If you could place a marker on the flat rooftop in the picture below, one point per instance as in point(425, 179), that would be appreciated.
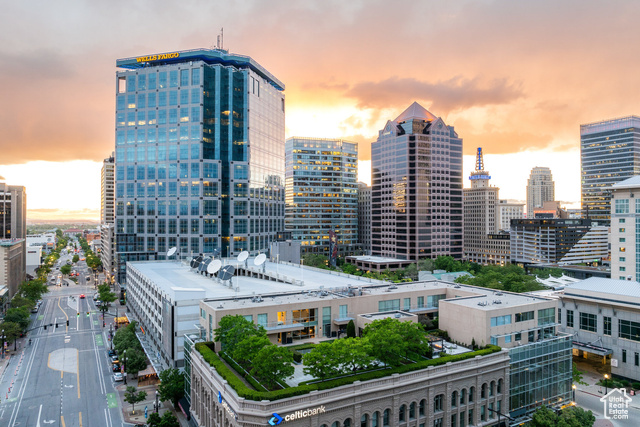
point(378, 259)
point(605, 288)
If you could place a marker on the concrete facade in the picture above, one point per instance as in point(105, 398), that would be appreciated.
point(364, 217)
point(625, 229)
point(12, 264)
point(540, 189)
point(13, 211)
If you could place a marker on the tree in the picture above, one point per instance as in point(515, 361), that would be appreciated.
point(233, 329)
point(65, 269)
point(273, 363)
point(351, 329)
point(322, 362)
point(411, 271)
point(20, 301)
point(136, 361)
point(133, 396)
point(167, 420)
point(154, 420)
point(570, 417)
point(393, 339)
point(349, 268)
point(12, 331)
point(75, 258)
point(33, 289)
point(248, 348)
point(18, 315)
point(544, 417)
point(171, 386)
point(353, 353)
point(577, 375)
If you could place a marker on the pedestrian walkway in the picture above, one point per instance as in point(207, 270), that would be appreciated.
point(591, 377)
point(139, 416)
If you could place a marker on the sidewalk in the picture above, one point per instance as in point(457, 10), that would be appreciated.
point(591, 378)
point(138, 417)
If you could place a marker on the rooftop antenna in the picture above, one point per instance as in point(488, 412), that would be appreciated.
point(243, 257)
point(222, 38)
point(260, 261)
point(172, 252)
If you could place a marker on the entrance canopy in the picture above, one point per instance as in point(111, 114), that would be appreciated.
point(592, 348)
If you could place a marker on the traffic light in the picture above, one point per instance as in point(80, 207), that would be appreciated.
point(88, 313)
point(56, 325)
point(45, 327)
point(78, 314)
point(67, 322)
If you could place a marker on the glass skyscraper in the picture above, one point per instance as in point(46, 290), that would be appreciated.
point(416, 195)
point(610, 153)
point(199, 155)
point(322, 193)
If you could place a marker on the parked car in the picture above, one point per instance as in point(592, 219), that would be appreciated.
point(117, 376)
point(114, 359)
point(81, 296)
point(111, 353)
point(116, 367)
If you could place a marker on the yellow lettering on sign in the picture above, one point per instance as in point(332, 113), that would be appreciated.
point(162, 56)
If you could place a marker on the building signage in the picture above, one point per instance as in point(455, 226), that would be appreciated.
point(157, 57)
point(296, 415)
point(226, 406)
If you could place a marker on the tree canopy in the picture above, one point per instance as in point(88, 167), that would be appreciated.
point(273, 363)
point(133, 396)
point(569, 417)
point(233, 329)
point(171, 386)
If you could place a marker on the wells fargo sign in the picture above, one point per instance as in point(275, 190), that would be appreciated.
point(157, 57)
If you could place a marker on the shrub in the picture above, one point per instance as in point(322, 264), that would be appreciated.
point(624, 383)
point(635, 385)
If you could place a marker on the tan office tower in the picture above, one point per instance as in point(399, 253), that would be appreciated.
point(13, 211)
point(540, 189)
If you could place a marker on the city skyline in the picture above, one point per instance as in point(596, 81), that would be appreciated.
point(504, 84)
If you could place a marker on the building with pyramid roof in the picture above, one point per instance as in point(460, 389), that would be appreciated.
point(416, 199)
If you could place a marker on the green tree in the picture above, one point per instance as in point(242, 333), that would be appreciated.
point(75, 258)
point(411, 271)
point(349, 268)
point(392, 340)
point(316, 260)
point(171, 386)
point(575, 416)
point(352, 353)
point(273, 363)
point(154, 420)
point(133, 396)
point(248, 348)
point(33, 289)
point(233, 329)
point(20, 301)
point(166, 420)
point(351, 329)
point(322, 362)
point(65, 269)
point(577, 375)
point(18, 315)
point(136, 361)
point(12, 331)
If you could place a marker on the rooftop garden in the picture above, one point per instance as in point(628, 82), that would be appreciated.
point(257, 369)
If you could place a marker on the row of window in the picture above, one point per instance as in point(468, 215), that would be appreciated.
point(157, 99)
point(209, 170)
point(160, 135)
point(627, 329)
point(158, 80)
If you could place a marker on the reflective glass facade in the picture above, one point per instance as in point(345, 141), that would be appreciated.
point(199, 155)
point(416, 200)
point(610, 153)
point(13, 212)
point(322, 193)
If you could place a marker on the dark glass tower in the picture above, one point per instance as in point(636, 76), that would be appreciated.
point(416, 200)
point(199, 155)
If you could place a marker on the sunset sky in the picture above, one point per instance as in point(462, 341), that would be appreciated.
point(516, 78)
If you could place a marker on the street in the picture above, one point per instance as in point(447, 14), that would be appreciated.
point(63, 378)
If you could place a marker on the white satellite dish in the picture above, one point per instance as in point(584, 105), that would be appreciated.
point(243, 256)
point(171, 251)
point(260, 259)
point(214, 266)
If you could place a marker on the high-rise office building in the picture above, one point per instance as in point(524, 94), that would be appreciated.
point(416, 195)
point(364, 217)
point(12, 269)
point(321, 193)
point(508, 210)
point(625, 229)
point(609, 153)
point(482, 242)
point(540, 189)
point(199, 155)
point(107, 215)
point(13, 212)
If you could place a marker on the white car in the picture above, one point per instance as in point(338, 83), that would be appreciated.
point(117, 376)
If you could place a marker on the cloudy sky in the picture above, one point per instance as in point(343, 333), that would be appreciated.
point(517, 78)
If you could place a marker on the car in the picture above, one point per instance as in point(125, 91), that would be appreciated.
point(116, 367)
point(117, 376)
point(81, 296)
point(35, 309)
point(111, 353)
point(114, 359)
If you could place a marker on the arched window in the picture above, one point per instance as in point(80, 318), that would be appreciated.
point(483, 391)
point(386, 417)
point(412, 411)
point(454, 399)
point(364, 420)
point(492, 388)
point(438, 403)
point(463, 396)
point(375, 419)
point(472, 393)
point(324, 425)
point(335, 424)
point(402, 414)
point(422, 407)
point(500, 386)
point(347, 423)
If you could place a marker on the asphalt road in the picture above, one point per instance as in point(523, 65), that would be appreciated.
point(63, 378)
point(590, 402)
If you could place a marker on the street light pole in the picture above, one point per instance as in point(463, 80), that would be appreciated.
point(124, 354)
point(3, 338)
point(157, 406)
point(606, 384)
point(573, 387)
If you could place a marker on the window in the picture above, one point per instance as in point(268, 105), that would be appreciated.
point(606, 325)
point(472, 392)
point(622, 220)
point(501, 320)
point(364, 420)
point(463, 396)
point(375, 419)
point(622, 206)
point(421, 407)
point(621, 249)
point(420, 302)
point(629, 330)
point(559, 315)
point(522, 317)
point(402, 414)
point(437, 423)
point(438, 403)
point(389, 305)
point(500, 386)
point(412, 411)
point(491, 413)
point(546, 316)
point(622, 259)
point(492, 388)
point(637, 359)
point(483, 413)
point(588, 322)
point(454, 419)
point(622, 240)
point(623, 268)
point(454, 399)
point(483, 391)
point(507, 339)
point(386, 416)
point(471, 420)
point(407, 304)
point(569, 318)
point(624, 356)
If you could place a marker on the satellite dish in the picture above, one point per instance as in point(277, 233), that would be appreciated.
point(243, 256)
point(260, 259)
point(195, 262)
point(227, 272)
point(171, 251)
point(216, 253)
point(214, 266)
point(204, 264)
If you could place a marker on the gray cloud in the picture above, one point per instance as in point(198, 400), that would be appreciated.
point(443, 96)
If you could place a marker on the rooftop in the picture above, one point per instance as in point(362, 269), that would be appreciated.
point(10, 242)
point(633, 182)
point(209, 56)
point(415, 111)
point(378, 259)
point(604, 287)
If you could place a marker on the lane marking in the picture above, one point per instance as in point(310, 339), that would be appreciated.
point(62, 421)
point(39, 413)
point(80, 417)
point(23, 386)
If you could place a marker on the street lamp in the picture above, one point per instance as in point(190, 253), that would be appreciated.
point(3, 338)
point(606, 384)
point(124, 355)
point(573, 387)
point(157, 406)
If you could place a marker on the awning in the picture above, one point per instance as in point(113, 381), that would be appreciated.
point(3, 291)
point(149, 371)
point(590, 348)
